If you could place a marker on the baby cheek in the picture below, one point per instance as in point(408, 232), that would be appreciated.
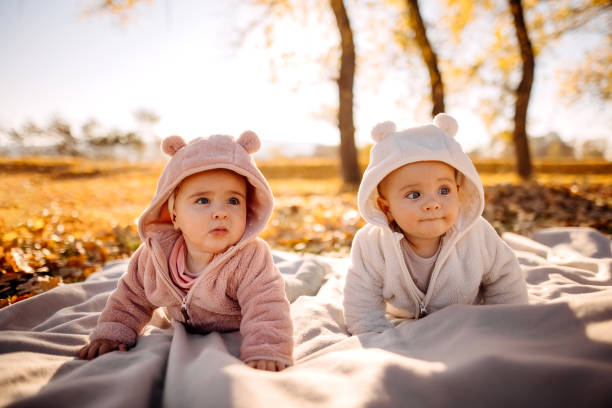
point(240, 209)
point(455, 211)
point(239, 215)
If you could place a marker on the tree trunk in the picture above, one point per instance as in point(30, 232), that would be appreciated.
point(429, 56)
point(521, 143)
point(351, 174)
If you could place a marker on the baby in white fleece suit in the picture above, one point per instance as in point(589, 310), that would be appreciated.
point(426, 245)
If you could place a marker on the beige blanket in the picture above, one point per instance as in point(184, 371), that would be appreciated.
point(556, 351)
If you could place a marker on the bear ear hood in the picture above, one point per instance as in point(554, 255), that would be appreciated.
point(382, 130)
point(433, 142)
point(249, 141)
point(447, 123)
point(172, 144)
point(201, 154)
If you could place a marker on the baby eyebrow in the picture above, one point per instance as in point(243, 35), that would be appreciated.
point(418, 185)
point(238, 193)
point(209, 193)
point(409, 187)
point(200, 194)
point(448, 179)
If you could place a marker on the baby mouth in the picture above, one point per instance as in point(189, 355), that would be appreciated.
point(219, 231)
point(432, 219)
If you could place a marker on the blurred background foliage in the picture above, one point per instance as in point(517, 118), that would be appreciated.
point(481, 53)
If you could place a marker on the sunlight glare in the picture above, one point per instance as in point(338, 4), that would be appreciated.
point(472, 132)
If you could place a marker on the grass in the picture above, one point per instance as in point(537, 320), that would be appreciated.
point(61, 219)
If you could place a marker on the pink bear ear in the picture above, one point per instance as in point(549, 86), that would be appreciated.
point(447, 123)
point(250, 141)
point(382, 130)
point(172, 144)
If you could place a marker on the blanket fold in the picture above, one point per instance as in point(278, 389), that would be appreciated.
point(555, 351)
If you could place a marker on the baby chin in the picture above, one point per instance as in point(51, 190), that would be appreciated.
point(433, 226)
point(217, 243)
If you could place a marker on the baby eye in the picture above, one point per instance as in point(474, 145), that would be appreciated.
point(203, 200)
point(233, 201)
point(444, 190)
point(413, 195)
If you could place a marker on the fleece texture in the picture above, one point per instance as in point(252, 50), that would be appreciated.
point(474, 265)
point(239, 289)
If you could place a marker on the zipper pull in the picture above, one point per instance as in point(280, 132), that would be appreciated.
point(423, 309)
point(184, 309)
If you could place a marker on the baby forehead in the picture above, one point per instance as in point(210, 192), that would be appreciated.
point(424, 170)
point(215, 178)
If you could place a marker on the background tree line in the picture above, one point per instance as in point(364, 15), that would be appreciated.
point(498, 69)
point(91, 140)
point(523, 28)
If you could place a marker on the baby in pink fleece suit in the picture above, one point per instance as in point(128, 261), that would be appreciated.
point(201, 258)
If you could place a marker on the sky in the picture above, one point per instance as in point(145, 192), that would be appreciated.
point(180, 59)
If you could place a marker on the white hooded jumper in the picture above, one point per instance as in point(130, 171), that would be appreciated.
point(474, 265)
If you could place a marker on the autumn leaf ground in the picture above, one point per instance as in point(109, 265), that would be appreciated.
point(62, 219)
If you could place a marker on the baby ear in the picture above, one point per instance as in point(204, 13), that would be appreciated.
point(383, 205)
point(447, 123)
point(172, 144)
point(250, 141)
point(382, 130)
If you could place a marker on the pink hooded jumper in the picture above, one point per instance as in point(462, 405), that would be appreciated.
point(241, 288)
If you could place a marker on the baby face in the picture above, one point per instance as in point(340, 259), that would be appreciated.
point(422, 198)
point(210, 209)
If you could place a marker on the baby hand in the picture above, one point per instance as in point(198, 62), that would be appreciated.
point(268, 365)
point(98, 347)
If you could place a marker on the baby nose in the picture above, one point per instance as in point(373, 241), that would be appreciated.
point(431, 205)
point(220, 214)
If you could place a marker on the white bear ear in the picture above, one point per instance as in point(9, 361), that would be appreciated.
point(447, 123)
point(382, 130)
point(172, 144)
point(250, 141)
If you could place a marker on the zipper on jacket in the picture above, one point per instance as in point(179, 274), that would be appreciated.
point(171, 286)
point(446, 248)
point(422, 309)
point(411, 285)
point(184, 309)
